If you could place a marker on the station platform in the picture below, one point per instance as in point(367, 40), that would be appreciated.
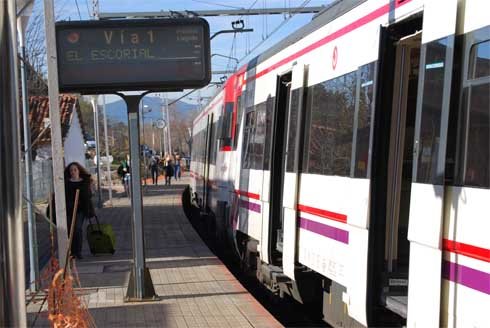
point(194, 286)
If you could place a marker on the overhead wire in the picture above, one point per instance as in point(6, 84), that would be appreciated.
point(266, 18)
point(78, 9)
point(263, 20)
point(249, 8)
point(247, 37)
point(217, 4)
point(228, 65)
point(88, 8)
point(294, 12)
point(61, 8)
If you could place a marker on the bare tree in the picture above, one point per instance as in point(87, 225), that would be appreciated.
point(36, 49)
point(180, 126)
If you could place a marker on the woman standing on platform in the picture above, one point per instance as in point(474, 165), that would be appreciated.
point(169, 172)
point(77, 177)
point(177, 168)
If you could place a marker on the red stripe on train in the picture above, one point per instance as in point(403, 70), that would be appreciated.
point(226, 148)
point(247, 194)
point(475, 252)
point(331, 37)
point(211, 106)
point(323, 213)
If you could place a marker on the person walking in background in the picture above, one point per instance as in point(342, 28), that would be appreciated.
point(78, 178)
point(123, 172)
point(154, 169)
point(177, 167)
point(169, 172)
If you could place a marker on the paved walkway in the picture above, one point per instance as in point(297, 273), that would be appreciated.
point(195, 288)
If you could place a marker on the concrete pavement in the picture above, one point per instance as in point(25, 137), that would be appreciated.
point(195, 288)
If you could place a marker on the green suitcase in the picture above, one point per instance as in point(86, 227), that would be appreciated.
point(101, 239)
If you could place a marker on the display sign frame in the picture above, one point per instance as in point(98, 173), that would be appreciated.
point(107, 56)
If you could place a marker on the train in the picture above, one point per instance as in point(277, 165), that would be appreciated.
point(349, 165)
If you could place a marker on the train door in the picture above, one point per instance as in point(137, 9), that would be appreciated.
point(408, 171)
point(399, 174)
point(391, 168)
point(293, 153)
point(207, 160)
point(279, 128)
point(427, 190)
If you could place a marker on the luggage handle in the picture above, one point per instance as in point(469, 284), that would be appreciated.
point(96, 220)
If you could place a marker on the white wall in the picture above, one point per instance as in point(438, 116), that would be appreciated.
point(73, 144)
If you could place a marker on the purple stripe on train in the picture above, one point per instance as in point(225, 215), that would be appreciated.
point(463, 275)
point(325, 230)
point(250, 206)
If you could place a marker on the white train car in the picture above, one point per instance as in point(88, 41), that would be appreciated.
point(354, 163)
point(213, 142)
point(202, 168)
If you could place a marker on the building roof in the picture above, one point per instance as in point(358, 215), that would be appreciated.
point(39, 114)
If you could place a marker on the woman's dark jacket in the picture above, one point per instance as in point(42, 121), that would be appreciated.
point(84, 199)
point(169, 170)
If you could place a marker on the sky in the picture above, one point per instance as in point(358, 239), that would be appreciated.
point(239, 47)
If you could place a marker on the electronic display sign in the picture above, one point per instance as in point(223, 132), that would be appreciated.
point(123, 55)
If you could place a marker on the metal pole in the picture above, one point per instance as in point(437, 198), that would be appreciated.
point(168, 128)
point(231, 31)
point(210, 13)
point(163, 131)
point(144, 144)
point(140, 285)
point(190, 141)
point(164, 136)
point(161, 149)
point(97, 148)
point(33, 246)
point(152, 135)
point(107, 150)
point(56, 140)
point(12, 281)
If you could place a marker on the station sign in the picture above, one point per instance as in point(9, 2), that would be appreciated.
point(106, 56)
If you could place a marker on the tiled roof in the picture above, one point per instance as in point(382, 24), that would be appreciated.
point(39, 112)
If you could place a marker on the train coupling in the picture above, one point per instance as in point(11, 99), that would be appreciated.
point(272, 276)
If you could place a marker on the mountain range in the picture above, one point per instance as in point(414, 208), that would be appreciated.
point(116, 111)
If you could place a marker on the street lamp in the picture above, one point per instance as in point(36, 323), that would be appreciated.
point(143, 112)
point(146, 110)
point(161, 124)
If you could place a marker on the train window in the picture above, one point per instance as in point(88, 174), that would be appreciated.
point(249, 94)
point(238, 120)
point(254, 137)
point(477, 172)
point(226, 121)
point(366, 102)
point(332, 105)
point(214, 144)
point(292, 130)
point(479, 60)
point(225, 125)
point(433, 88)
point(269, 108)
point(259, 138)
point(248, 143)
point(201, 146)
point(196, 149)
